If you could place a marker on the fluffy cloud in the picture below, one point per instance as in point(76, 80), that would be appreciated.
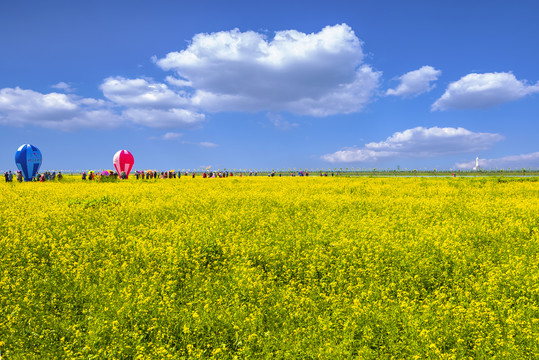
point(418, 142)
point(140, 101)
point(514, 162)
point(483, 90)
point(149, 103)
point(59, 111)
point(416, 82)
point(314, 74)
point(141, 93)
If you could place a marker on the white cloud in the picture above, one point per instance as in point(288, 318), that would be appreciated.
point(208, 144)
point(514, 162)
point(165, 119)
point(178, 82)
point(171, 136)
point(63, 86)
point(54, 110)
point(483, 90)
point(69, 112)
point(141, 93)
point(418, 142)
point(314, 74)
point(150, 103)
point(416, 82)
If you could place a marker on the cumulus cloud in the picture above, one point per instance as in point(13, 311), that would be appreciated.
point(530, 160)
point(479, 91)
point(416, 82)
point(316, 74)
point(136, 101)
point(141, 93)
point(150, 103)
point(54, 110)
point(313, 74)
point(418, 142)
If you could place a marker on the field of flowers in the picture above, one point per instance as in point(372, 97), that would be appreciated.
point(259, 267)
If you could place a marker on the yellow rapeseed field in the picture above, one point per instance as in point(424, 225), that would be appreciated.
point(275, 268)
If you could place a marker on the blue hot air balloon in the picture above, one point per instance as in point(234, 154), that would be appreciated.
point(28, 160)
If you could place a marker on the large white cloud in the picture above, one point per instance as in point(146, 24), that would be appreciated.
point(54, 110)
point(418, 142)
point(416, 82)
point(479, 91)
point(316, 74)
point(530, 160)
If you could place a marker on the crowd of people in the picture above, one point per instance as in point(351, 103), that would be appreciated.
point(148, 174)
point(46, 176)
point(173, 174)
point(108, 175)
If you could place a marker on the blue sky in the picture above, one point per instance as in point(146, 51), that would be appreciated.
point(281, 84)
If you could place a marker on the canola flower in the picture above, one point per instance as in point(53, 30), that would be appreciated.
point(230, 268)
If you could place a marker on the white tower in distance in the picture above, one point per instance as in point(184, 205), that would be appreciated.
point(476, 167)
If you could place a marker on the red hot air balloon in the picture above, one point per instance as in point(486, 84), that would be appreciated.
point(123, 161)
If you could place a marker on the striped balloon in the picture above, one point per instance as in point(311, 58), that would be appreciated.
point(123, 161)
point(28, 159)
